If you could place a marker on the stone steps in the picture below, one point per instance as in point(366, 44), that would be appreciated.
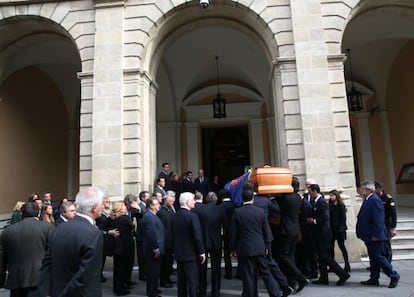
point(403, 243)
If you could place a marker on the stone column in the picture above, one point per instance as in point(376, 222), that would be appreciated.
point(85, 133)
point(192, 146)
point(132, 136)
point(365, 144)
point(257, 142)
point(288, 124)
point(388, 151)
point(148, 145)
point(107, 130)
point(315, 104)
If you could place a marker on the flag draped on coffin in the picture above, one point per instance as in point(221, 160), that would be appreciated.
point(235, 188)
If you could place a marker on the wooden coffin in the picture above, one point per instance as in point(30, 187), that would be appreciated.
point(272, 180)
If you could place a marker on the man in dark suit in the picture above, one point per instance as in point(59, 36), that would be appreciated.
point(143, 196)
point(211, 220)
point(166, 214)
point(188, 184)
point(165, 173)
point(188, 246)
point(202, 183)
point(228, 207)
point(321, 232)
point(390, 212)
point(153, 244)
point(135, 213)
point(371, 229)
point(159, 187)
point(67, 212)
point(290, 233)
point(251, 237)
point(47, 200)
point(24, 246)
point(72, 265)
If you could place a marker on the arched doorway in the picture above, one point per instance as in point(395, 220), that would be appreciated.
point(39, 110)
point(381, 38)
point(226, 151)
point(186, 78)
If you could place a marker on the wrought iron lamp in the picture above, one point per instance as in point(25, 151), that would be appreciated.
point(354, 96)
point(219, 104)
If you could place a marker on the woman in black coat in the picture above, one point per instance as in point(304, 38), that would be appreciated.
point(337, 212)
point(123, 246)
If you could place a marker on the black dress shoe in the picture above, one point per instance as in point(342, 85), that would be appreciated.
point(228, 276)
point(122, 293)
point(142, 277)
point(394, 282)
point(370, 282)
point(301, 284)
point(342, 280)
point(320, 282)
point(131, 283)
point(286, 291)
point(103, 279)
point(166, 285)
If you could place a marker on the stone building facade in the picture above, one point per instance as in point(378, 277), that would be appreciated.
point(119, 87)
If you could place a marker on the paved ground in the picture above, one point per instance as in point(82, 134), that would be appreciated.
point(352, 288)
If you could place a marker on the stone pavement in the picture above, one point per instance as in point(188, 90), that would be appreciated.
point(352, 288)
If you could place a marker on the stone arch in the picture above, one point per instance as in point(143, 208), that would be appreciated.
point(39, 62)
point(144, 36)
point(75, 20)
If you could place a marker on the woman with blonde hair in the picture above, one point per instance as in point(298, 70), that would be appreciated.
point(47, 214)
point(122, 247)
point(16, 214)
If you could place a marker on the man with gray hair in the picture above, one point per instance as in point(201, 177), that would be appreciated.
point(188, 246)
point(372, 231)
point(67, 212)
point(72, 265)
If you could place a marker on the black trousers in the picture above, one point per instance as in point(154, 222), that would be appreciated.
point(228, 269)
point(153, 275)
point(121, 273)
point(248, 266)
point(141, 259)
point(188, 278)
point(166, 266)
point(24, 292)
point(287, 259)
point(325, 259)
point(215, 259)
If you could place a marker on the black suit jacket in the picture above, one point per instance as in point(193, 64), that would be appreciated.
point(228, 208)
point(188, 186)
point(153, 232)
point(202, 186)
point(290, 205)
point(74, 259)
point(124, 243)
point(337, 215)
point(321, 231)
point(211, 220)
point(166, 216)
point(187, 236)
point(24, 246)
point(251, 234)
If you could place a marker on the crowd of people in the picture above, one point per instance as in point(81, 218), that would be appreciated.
point(287, 239)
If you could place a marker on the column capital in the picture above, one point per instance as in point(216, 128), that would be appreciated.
point(85, 75)
point(109, 3)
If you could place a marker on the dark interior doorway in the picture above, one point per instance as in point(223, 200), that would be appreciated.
point(225, 151)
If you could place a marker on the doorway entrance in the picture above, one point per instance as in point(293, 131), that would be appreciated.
point(225, 151)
